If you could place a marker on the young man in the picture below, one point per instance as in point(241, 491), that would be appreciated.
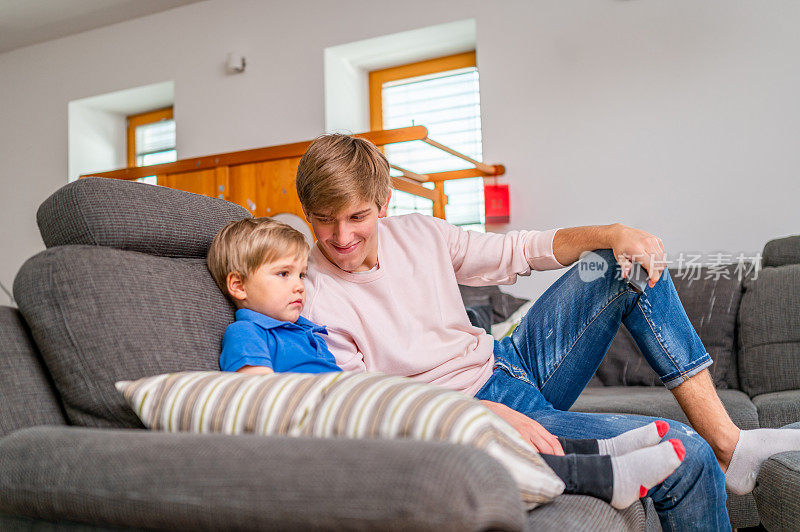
point(386, 288)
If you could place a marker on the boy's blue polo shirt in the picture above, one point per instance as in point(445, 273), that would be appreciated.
point(255, 339)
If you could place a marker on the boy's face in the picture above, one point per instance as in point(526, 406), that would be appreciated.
point(276, 288)
point(349, 238)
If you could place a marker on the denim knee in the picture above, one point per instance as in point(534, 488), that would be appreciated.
point(600, 263)
point(698, 449)
point(697, 487)
point(700, 470)
point(613, 269)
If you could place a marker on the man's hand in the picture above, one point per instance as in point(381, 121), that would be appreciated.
point(629, 244)
point(531, 431)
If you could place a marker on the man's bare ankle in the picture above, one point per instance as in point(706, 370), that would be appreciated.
point(724, 446)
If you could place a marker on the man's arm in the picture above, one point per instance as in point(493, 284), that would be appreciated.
point(627, 243)
point(344, 349)
point(485, 259)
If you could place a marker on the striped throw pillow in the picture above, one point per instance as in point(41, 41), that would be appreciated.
point(336, 405)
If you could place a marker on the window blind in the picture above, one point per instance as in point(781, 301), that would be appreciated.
point(155, 144)
point(448, 104)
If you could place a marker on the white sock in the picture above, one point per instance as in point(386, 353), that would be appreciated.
point(752, 449)
point(637, 472)
point(632, 440)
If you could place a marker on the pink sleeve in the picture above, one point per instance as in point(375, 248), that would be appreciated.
point(340, 343)
point(345, 351)
point(481, 259)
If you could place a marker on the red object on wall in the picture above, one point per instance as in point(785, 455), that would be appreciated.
point(496, 203)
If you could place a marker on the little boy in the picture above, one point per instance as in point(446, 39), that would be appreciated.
point(261, 263)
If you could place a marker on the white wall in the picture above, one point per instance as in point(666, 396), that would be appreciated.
point(98, 126)
point(97, 140)
point(677, 117)
point(347, 67)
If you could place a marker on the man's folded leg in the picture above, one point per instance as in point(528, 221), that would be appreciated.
point(561, 341)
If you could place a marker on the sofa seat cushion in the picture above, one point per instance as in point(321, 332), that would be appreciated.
point(146, 480)
point(134, 216)
point(337, 405)
point(659, 402)
point(579, 512)
point(778, 409)
point(99, 315)
point(27, 396)
point(776, 490)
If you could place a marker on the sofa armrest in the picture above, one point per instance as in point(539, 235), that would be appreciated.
point(139, 478)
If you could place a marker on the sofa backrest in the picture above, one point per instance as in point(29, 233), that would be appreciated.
point(781, 251)
point(711, 298)
point(27, 396)
point(123, 291)
point(769, 321)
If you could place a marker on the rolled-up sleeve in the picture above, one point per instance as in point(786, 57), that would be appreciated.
point(539, 250)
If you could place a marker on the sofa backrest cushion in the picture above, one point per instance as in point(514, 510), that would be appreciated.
point(134, 216)
point(781, 251)
point(711, 298)
point(27, 397)
point(769, 331)
point(99, 315)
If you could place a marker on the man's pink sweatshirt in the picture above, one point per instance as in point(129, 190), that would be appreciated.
point(406, 317)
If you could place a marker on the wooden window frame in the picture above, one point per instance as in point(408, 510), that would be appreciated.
point(411, 70)
point(141, 119)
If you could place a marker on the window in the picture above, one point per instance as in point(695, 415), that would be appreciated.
point(151, 140)
point(443, 95)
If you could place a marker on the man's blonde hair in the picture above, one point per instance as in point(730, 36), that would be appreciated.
point(338, 170)
point(243, 246)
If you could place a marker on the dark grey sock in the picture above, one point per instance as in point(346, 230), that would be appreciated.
point(584, 474)
point(579, 446)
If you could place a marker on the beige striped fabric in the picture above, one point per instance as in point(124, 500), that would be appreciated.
point(336, 405)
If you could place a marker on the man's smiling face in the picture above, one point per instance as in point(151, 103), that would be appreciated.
point(349, 238)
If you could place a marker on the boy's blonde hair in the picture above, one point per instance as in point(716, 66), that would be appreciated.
point(338, 170)
point(243, 246)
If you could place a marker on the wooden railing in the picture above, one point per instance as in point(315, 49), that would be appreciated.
point(262, 179)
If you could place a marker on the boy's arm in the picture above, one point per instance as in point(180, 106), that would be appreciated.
point(255, 370)
point(244, 346)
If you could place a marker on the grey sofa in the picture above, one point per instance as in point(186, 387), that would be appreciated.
point(122, 292)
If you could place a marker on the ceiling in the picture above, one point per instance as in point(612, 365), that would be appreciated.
point(26, 22)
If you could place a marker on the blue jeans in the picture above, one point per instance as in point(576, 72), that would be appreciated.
point(542, 367)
